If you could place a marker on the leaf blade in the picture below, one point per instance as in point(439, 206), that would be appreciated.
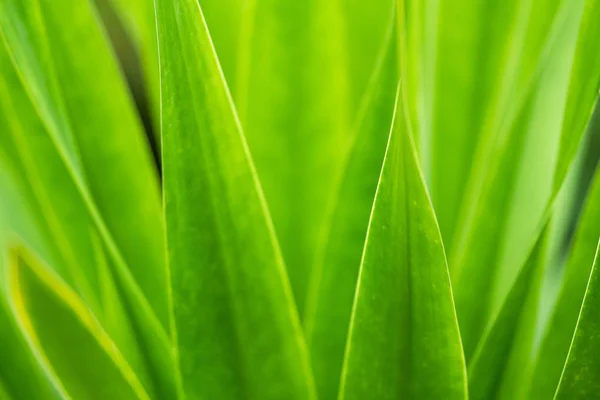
point(397, 310)
point(53, 318)
point(249, 342)
point(333, 279)
point(561, 328)
point(579, 378)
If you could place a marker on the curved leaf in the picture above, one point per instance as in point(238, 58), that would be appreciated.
point(561, 328)
point(60, 214)
point(487, 35)
point(499, 355)
point(237, 331)
point(55, 204)
point(579, 379)
point(507, 198)
point(333, 281)
point(66, 335)
point(21, 376)
point(403, 340)
point(139, 20)
point(583, 89)
point(293, 96)
point(81, 98)
point(224, 19)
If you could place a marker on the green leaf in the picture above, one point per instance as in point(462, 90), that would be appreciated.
point(583, 89)
point(579, 379)
point(333, 281)
point(4, 392)
point(82, 100)
point(511, 184)
point(66, 336)
point(21, 375)
point(501, 359)
point(60, 221)
point(17, 217)
point(59, 213)
point(140, 23)
point(418, 39)
point(481, 32)
point(403, 301)
point(237, 331)
point(293, 96)
point(225, 19)
point(560, 330)
point(366, 30)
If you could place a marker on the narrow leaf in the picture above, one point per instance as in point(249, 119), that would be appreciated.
point(489, 37)
point(583, 89)
point(510, 336)
point(579, 379)
point(60, 216)
point(140, 23)
point(237, 331)
point(507, 198)
point(403, 300)
point(225, 20)
point(82, 100)
point(333, 281)
point(561, 328)
point(293, 95)
point(21, 376)
point(67, 336)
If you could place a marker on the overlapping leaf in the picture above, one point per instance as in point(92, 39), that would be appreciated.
point(583, 89)
point(579, 379)
point(561, 328)
point(21, 375)
point(502, 359)
point(237, 330)
point(507, 198)
point(329, 301)
point(87, 140)
point(92, 123)
point(293, 95)
point(139, 20)
point(73, 346)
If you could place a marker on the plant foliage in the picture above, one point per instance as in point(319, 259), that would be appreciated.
point(321, 199)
